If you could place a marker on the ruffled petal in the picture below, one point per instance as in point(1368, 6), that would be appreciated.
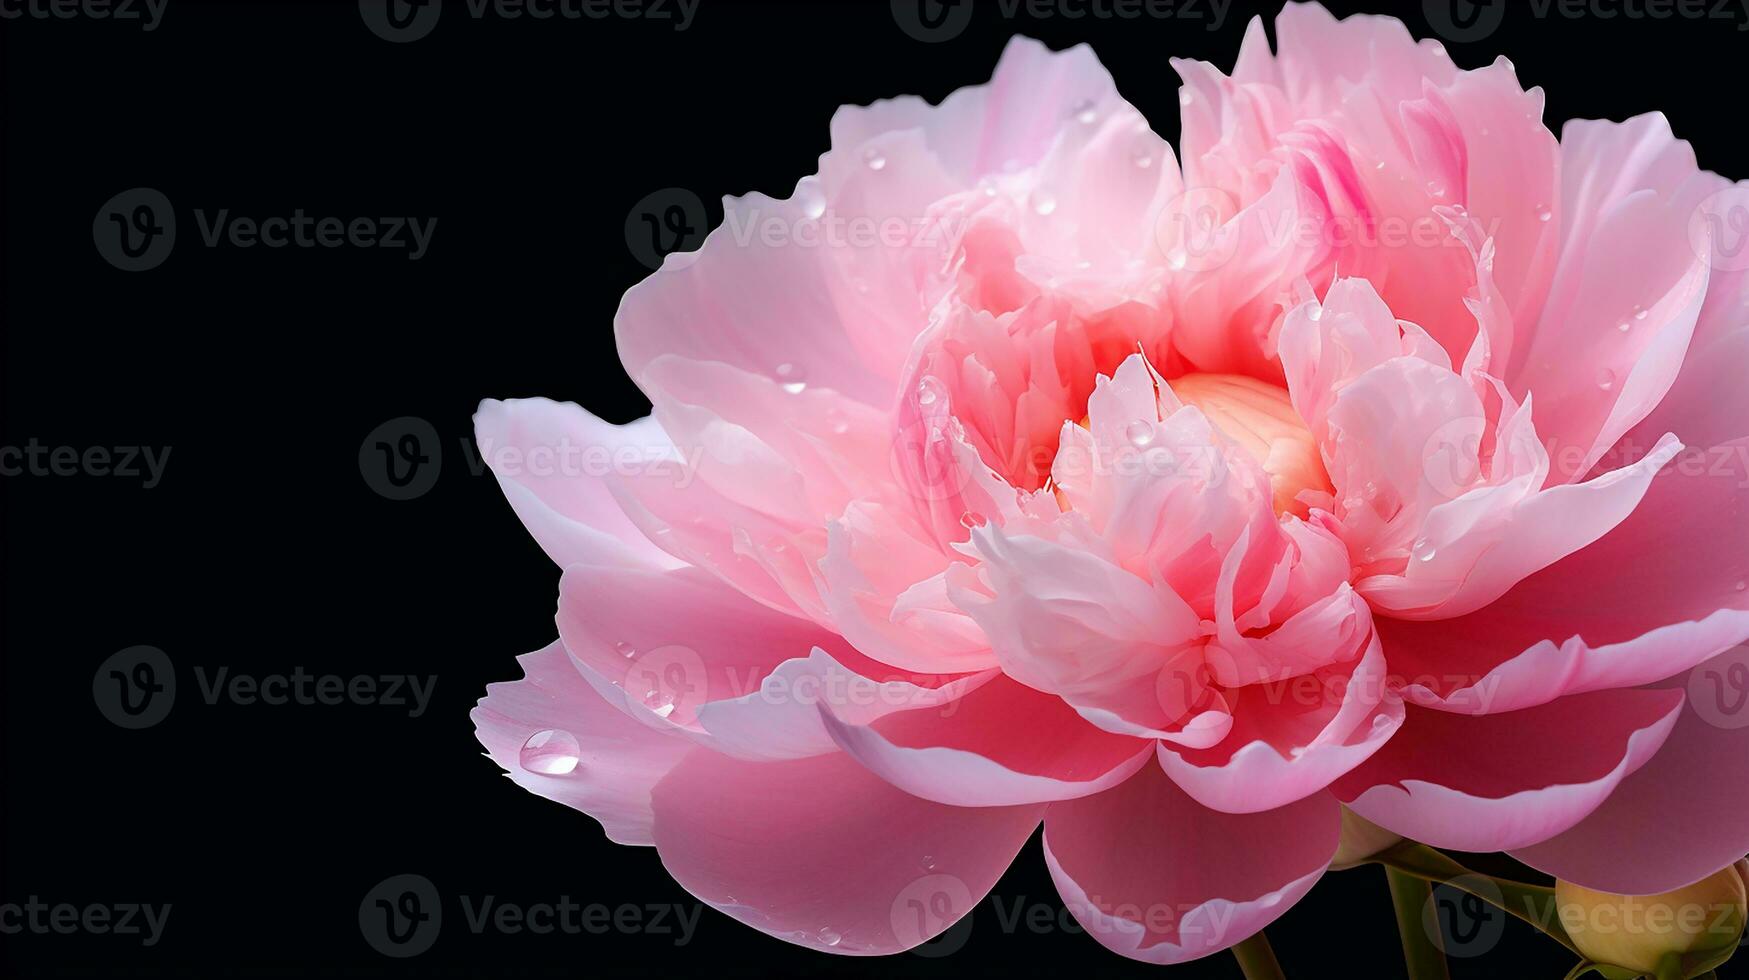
point(1495, 782)
point(774, 845)
point(614, 764)
point(1156, 877)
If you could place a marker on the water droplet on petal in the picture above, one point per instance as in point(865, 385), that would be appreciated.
point(1741, 585)
point(1043, 202)
point(793, 379)
point(1624, 326)
point(1639, 312)
point(928, 862)
point(1423, 550)
point(1606, 379)
point(660, 702)
point(1139, 432)
point(928, 391)
point(1086, 112)
point(875, 159)
point(1143, 154)
point(1544, 214)
point(550, 752)
point(625, 649)
point(1185, 96)
point(829, 937)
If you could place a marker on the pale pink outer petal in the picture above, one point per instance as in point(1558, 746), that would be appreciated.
point(1494, 782)
point(1680, 817)
point(783, 718)
point(621, 760)
point(1629, 192)
point(1156, 877)
point(1707, 405)
point(1000, 744)
point(664, 644)
point(822, 853)
point(1476, 549)
point(1657, 595)
point(550, 457)
point(1292, 737)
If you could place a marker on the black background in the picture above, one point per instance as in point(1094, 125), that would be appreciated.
point(263, 370)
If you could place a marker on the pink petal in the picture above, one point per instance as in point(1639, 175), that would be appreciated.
point(550, 459)
point(821, 853)
point(1493, 782)
point(1679, 818)
point(664, 644)
point(1657, 595)
point(1629, 192)
point(1156, 877)
point(1291, 737)
point(619, 760)
point(1000, 744)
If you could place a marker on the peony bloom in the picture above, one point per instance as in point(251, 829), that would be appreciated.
point(1380, 450)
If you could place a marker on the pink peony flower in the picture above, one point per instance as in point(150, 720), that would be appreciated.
point(1382, 451)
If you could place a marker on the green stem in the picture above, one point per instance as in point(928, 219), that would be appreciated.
point(1256, 960)
point(1410, 896)
point(1534, 904)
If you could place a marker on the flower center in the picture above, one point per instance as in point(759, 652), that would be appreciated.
point(1260, 418)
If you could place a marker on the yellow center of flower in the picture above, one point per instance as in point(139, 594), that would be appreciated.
point(1260, 418)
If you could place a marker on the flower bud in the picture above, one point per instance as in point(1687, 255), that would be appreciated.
point(1701, 924)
